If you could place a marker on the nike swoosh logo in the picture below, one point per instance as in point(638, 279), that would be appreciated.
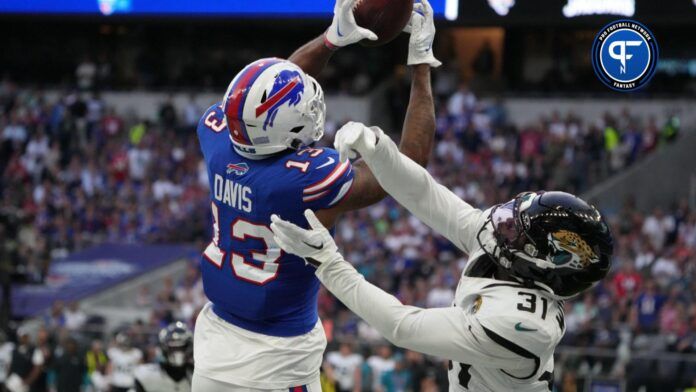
point(519, 327)
point(320, 247)
point(329, 162)
point(338, 28)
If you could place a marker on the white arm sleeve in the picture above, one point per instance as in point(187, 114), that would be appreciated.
point(414, 188)
point(446, 332)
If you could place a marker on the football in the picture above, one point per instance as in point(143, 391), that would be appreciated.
point(386, 18)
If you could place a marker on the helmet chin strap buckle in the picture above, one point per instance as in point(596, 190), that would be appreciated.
point(295, 144)
point(531, 250)
point(507, 264)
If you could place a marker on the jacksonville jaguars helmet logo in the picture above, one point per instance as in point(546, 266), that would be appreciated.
point(287, 88)
point(570, 249)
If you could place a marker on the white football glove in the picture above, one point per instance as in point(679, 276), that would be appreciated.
point(422, 30)
point(315, 245)
point(344, 30)
point(356, 137)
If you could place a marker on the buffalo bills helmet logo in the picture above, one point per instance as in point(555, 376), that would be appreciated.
point(287, 88)
point(237, 168)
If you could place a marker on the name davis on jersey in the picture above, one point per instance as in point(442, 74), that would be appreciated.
point(231, 193)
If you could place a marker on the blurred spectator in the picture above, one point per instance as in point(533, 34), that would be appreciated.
point(346, 368)
point(27, 369)
point(95, 358)
point(627, 281)
point(399, 378)
point(648, 305)
point(123, 359)
point(167, 113)
point(461, 102)
point(484, 62)
point(85, 73)
point(69, 367)
point(74, 317)
point(380, 363)
point(6, 349)
point(657, 226)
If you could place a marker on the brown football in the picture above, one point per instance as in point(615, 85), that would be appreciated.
point(386, 18)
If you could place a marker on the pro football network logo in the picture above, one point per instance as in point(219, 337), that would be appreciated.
point(239, 169)
point(624, 55)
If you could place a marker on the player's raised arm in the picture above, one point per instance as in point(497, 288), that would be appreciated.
point(313, 56)
point(419, 124)
point(411, 185)
point(446, 332)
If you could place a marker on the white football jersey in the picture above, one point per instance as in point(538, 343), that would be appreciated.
point(510, 318)
point(344, 368)
point(123, 364)
point(152, 378)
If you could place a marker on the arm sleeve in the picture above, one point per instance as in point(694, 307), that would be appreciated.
point(446, 332)
point(414, 188)
point(328, 181)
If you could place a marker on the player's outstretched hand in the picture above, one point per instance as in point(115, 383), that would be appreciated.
point(344, 30)
point(422, 30)
point(315, 245)
point(356, 137)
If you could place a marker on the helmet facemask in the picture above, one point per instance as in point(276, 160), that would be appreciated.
point(314, 111)
point(511, 239)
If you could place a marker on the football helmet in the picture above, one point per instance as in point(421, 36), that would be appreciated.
point(553, 239)
point(122, 339)
point(176, 344)
point(272, 105)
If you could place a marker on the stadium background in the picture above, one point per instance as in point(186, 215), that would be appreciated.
point(103, 199)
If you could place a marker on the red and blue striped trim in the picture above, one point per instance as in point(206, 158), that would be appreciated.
point(301, 388)
point(234, 109)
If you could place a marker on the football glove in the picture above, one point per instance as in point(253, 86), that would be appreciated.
point(356, 137)
point(422, 30)
point(344, 30)
point(315, 245)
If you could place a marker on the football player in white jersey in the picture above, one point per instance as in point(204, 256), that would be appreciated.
point(346, 367)
point(173, 372)
point(123, 359)
point(525, 257)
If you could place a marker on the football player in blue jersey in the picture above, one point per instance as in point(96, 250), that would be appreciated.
point(260, 330)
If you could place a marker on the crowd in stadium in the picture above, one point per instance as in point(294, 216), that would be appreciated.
point(76, 173)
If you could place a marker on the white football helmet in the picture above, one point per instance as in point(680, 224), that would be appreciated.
point(272, 105)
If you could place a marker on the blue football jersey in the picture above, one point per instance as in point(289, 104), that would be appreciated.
point(251, 282)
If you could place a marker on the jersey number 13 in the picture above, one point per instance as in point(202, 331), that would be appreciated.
point(241, 266)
